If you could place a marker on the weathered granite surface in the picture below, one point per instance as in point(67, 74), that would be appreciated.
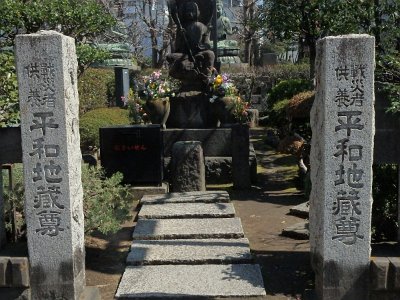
point(49, 105)
point(186, 281)
point(188, 228)
point(187, 197)
point(188, 171)
point(342, 119)
point(186, 210)
point(189, 251)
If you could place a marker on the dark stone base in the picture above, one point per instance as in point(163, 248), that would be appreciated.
point(191, 109)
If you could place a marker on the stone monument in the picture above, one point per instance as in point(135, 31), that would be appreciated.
point(47, 79)
point(191, 61)
point(228, 49)
point(342, 119)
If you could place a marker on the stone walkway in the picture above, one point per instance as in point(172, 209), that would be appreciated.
point(189, 245)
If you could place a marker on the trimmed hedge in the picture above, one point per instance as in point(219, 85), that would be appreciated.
point(287, 89)
point(96, 89)
point(102, 117)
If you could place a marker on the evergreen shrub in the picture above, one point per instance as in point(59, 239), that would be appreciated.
point(101, 117)
point(286, 89)
point(106, 202)
point(96, 89)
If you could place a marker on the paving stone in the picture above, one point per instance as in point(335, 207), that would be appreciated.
point(188, 281)
point(187, 210)
point(189, 251)
point(187, 197)
point(188, 229)
point(301, 210)
point(297, 231)
point(379, 269)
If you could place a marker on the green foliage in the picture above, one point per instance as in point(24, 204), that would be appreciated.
point(278, 113)
point(81, 19)
point(384, 207)
point(388, 77)
point(9, 105)
point(95, 88)
point(102, 117)
point(88, 54)
point(14, 199)
point(287, 89)
point(287, 71)
point(105, 201)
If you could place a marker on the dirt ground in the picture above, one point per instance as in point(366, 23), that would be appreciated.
point(264, 213)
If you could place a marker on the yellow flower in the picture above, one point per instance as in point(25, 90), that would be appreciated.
point(218, 80)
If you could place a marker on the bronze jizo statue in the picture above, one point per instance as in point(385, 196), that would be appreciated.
point(192, 59)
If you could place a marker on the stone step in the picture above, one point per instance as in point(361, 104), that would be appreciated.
point(298, 231)
point(189, 251)
point(187, 210)
point(187, 197)
point(190, 281)
point(301, 210)
point(157, 229)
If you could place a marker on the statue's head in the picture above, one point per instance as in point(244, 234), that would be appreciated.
point(220, 8)
point(191, 11)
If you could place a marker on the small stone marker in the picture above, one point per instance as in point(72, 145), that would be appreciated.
point(194, 251)
point(47, 78)
point(342, 121)
point(191, 282)
point(188, 170)
point(188, 229)
point(187, 210)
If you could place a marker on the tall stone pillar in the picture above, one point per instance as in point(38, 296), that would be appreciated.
point(47, 79)
point(342, 121)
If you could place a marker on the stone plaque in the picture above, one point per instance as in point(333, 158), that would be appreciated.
point(342, 121)
point(135, 151)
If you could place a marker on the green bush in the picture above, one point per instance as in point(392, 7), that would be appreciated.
point(287, 89)
point(9, 105)
point(96, 89)
point(384, 207)
point(278, 114)
point(106, 202)
point(102, 117)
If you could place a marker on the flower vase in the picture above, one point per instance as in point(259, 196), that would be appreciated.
point(158, 110)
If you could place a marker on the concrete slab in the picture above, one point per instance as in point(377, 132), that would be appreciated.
point(299, 231)
point(187, 210)
point(158, 229)
point(187, 197)
point(189, 251)
point(137, 192)
point(187, 281)
point(301, 210)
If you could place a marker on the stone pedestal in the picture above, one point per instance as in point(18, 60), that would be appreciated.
point(342, 121)
point(47, 78)
point(187, 167)
point(191, 109)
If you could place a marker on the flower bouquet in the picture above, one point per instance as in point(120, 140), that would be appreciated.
point(229, 106)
